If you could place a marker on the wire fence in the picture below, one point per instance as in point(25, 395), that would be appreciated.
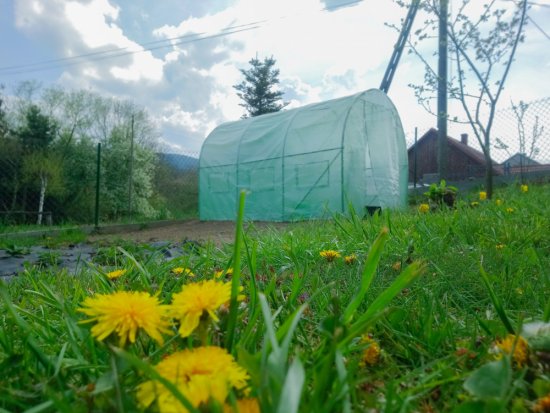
point(96, 185)
point(520, 148)
point(87, 183)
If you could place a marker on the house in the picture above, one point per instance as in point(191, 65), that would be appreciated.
point(463, 161)
point(520, 164)
point(519, 159)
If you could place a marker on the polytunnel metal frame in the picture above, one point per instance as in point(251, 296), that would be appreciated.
point(283, 155)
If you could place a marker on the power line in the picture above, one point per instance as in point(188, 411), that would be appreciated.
point(63, 59)
point(145, 47)
point(538, 27)
point(118, 52)
point(530, 18)
point(532, 3)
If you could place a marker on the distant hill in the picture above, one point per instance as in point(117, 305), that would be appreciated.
point(179, 162)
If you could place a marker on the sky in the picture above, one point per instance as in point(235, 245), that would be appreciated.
point(179, 59)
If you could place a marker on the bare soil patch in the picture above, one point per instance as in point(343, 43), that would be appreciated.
point(218, 232)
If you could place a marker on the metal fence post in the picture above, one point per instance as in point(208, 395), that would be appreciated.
point(96, 220)
point(131, 169)
point(415, 158)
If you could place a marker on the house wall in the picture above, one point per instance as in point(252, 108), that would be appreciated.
point(459, 166)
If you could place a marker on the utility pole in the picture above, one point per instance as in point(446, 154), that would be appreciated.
point(442, 92)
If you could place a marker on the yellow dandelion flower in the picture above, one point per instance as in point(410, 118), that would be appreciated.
point(244, 406)
point(220, 273)
point(115, 274)
point(350, 259)
point(371, 354)
point(199, 374)
point(181, 270)
point(329, 255)
point(423, 208)
point(542, 405)
point(510, 210)
point(524, 188)
point(498, 202)
point(482, 196)
point(124, 313)
point(189, 305)
point(516, 343)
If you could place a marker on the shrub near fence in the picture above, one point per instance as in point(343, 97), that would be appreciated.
point(176, 184)
point(145, 186)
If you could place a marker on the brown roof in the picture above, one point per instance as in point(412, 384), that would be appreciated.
point(472, 153)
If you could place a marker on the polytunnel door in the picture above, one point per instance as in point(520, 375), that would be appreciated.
point(262, 180)
point(312, 184)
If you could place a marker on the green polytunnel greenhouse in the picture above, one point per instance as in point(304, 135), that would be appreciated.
point(306, 162)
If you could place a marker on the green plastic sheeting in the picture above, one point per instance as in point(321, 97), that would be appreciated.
point(303, 163)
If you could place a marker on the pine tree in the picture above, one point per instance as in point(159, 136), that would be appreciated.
point(257, 90)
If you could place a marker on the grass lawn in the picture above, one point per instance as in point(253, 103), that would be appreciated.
point(426, 310)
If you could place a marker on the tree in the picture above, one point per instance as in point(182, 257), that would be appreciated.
point(3, 118)
point(44, 167)
point(48, 152)
point(38, 131)
point(258, 90)
point(36, 135)
point(482, 49)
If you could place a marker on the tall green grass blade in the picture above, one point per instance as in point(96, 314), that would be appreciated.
point(42, 407)
point(406, 277)
point(11, 308)
point(288, 329)
point(289, 402)
point(116, 382)
point(40, 355)
point(373, 258)
point(268, 320)
point(342, 378)
point(236, 278)
point(145, 275)
point(496, 302)
point(60, 359)
point(251, 255)
point(545, 275)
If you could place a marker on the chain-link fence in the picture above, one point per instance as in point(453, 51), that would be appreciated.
point(520, 148)
point(94, 184)
point(522, 139)
point(137, 184)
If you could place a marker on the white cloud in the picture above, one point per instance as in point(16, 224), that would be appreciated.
point(175, 116)
point(188, 87)
point(90, 72)
point(90, 21)
point(95, 23)
point(37, 7)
